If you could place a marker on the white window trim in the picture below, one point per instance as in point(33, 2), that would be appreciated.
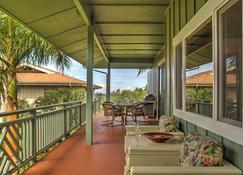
point(222, 129)
point(234, 133)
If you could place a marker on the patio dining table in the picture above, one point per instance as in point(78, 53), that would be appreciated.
point(126, 108)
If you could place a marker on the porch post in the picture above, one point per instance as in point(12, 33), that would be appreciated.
point(89, 90)
point(108, 83)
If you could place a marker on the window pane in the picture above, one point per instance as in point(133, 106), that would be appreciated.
point(230, 56)
point(199, 71)
point(179, 77)
point(162, 90)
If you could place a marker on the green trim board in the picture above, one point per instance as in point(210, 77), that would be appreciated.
point(108, 83)
point(183, 11)
point(190, 9)
point(89, 91)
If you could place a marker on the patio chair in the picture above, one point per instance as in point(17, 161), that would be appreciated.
point(114, 111)
point(138, 110)
point(118, 111)
point(108, 107)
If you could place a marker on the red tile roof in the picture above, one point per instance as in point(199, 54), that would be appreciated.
point(48, 78)
point(206, 79)
point(44, 78)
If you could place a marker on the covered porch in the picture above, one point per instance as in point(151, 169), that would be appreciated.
point(98, 34)
point(170, 37)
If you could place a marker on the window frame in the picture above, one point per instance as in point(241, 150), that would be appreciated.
point(226, 130)
point(220, 73)
point(180, 43)
point(209, 20)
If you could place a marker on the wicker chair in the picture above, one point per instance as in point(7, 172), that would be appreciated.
point(113, 111)
point(138, 110)
point(107, 106)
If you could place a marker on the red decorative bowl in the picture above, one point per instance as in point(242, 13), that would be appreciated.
point(158, 137)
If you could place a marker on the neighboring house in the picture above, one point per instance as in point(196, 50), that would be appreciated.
point(206, 79)
point(33, 81)
point(203, 79)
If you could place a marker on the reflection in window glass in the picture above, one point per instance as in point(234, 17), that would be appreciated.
point(230, 56)
point(178, 77)
point(199, 71)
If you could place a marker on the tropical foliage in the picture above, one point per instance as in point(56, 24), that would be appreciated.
point(17, 45)
point(23, 104)
point(125, 96)
point(60, 96)
point(199, 94)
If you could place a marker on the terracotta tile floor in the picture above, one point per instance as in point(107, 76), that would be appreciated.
point(73, 157)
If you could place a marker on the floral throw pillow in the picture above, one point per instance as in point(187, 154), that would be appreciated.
point(199, 150)
point(168, 123)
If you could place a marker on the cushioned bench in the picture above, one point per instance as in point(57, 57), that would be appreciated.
point(199, 155)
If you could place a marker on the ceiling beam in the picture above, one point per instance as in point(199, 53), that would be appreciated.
point(86, 16)
point(74, 42)
point(133, 43)
point(133, 49)
point(131, 35)
point(69, 30)
point(126, 22)
point(48, 16)
point(131, 60)
point(119, 4)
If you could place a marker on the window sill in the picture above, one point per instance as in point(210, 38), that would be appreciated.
point(225, 130)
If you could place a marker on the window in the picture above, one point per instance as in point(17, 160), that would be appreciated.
point(230, 63)
point(178, 76)
point(199, 71)
point(162, 90)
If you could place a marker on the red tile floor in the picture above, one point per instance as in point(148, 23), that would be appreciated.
point(73, 157)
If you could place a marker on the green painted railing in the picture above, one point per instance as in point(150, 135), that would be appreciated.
point(36, 130)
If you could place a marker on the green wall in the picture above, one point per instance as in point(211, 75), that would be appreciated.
point(179, 13)
point(183, 11)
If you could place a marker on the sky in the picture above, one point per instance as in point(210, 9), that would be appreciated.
point(200, 69)
point(120, 78)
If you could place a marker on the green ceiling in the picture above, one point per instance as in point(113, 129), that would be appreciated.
point(130, 32)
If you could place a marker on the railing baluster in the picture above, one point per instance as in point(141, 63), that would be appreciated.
point(65, 120)
point(23, 141)
point(42, 133)
point(80, 114)
point(36, 132)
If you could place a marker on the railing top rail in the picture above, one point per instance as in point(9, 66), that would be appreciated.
point(4, 114)
point(16, 121)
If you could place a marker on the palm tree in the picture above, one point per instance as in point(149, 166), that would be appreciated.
point(141, 71)
point(17, 45)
